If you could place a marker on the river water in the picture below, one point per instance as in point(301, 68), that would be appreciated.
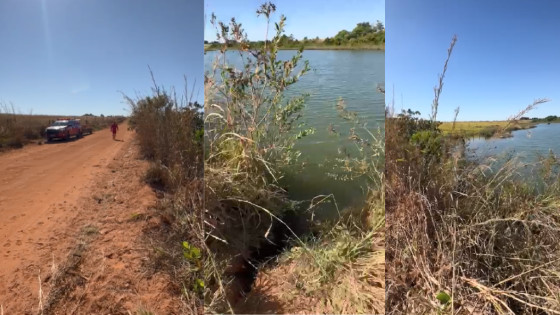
point(527, 148)
point(526, 145)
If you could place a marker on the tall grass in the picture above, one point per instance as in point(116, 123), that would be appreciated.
point(169, 133)
point(465, 237)
point(251, 129)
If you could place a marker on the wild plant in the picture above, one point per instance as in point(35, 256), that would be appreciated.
point(251, 125)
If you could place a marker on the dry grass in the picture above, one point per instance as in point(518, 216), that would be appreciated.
point(465, 237)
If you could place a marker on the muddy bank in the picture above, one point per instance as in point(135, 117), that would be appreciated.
point(245, 271)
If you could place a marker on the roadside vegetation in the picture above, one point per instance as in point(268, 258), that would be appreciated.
point(364, 36)
point(17, 129)
point(169, 132)
point(251, 128)
point(464, 236)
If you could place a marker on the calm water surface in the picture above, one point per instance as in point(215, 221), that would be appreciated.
point(527, 145)
point(352, 76)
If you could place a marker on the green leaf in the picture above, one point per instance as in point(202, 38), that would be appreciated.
point(198, 286)
point(192, 253)
point(443, 297)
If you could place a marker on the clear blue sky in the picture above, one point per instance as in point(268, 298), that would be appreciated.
point(312, 18)
point(68, 57)
point(507, 55)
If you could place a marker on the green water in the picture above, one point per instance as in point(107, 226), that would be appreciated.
point(352, 76)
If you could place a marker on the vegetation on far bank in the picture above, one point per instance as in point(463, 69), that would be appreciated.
point(484, 129)
point(364, 36)
point(489, 129)
point(18, 129)
point(462, 236)
point(251, 129)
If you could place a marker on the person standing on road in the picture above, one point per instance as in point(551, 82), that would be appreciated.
point(114, 128)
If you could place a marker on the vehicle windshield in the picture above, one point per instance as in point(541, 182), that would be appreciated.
point(60, 123)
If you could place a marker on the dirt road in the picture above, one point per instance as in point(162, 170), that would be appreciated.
point(60, 201)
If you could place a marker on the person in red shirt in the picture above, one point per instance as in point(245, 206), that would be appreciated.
point(114, 128)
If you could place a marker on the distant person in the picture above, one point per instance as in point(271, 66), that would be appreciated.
point(114, 128)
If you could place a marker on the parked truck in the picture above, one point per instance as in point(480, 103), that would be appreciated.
point(64, 129)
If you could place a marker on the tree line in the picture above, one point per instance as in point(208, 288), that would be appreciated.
point(365, 35)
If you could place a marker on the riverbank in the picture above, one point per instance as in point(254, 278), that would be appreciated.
point(473, 225)
point(485, 129)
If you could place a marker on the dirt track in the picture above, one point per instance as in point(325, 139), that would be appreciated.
point(74, 199)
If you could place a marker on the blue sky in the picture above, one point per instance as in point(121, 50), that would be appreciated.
point(68, 57)
point(312, 18)
point(507, 55)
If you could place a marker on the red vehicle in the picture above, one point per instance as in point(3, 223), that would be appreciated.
point(64, 129)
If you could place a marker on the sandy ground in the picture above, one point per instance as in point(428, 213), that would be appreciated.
point(71, 221)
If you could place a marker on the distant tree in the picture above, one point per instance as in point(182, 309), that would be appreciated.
point(361, 29)
point(379, 26)
point(342, 35)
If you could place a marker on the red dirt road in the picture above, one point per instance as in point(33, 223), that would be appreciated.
point(68, 244)
point(38, 185)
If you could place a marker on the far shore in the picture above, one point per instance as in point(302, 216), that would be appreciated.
point(368, 47)
point(488, 129)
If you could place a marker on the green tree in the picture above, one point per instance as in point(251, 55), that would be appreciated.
point(379, 26)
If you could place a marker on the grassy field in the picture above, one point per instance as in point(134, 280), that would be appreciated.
point(486, 129)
